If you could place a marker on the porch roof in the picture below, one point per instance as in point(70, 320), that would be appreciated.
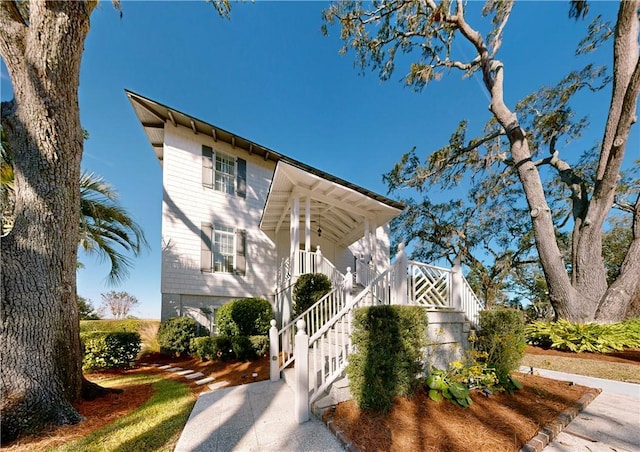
point(339, 209)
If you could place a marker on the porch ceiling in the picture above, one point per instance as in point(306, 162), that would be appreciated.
point(338, 210)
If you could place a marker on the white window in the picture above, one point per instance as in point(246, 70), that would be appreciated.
point(225, 173)
point(223, 249)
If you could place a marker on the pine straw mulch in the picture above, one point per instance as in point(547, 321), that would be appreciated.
point(417, 424)
point(500, 422)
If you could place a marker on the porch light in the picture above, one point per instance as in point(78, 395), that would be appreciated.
point(319, 232)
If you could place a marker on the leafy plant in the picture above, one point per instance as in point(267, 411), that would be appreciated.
point(442, 386)
point(245, 317)
point(308, 289)
point(229, 347)
point(587, 337)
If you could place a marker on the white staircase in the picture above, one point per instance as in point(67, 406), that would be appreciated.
point(327, 325)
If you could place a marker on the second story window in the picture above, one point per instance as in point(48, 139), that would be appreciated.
point(223, 172)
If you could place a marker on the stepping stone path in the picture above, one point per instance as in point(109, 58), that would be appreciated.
point(189, 374)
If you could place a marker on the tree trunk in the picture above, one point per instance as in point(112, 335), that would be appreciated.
point(41, 362)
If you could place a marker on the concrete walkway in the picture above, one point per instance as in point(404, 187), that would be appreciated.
point(252, 417)
point(610, 423)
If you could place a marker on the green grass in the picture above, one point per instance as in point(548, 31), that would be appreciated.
point(155, 426)
point(589, 367)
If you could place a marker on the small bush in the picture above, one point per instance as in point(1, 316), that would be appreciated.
point(230, 347)
point(260, 345)
point(588, 337)
point(109, 350)
point(501, 336)
point(308, 289)
point(174, 335)
point(244, 317)
point(387, 361)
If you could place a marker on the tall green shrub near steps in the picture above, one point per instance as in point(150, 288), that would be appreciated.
point(501, 336)
point(387, 361)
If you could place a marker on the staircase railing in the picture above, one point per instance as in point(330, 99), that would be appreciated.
point(315, 317)
point(429, 285)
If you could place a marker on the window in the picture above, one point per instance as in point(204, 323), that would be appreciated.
point(222, 249)
point(224, 173)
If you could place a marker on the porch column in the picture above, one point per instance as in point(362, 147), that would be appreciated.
point(307, 225)
point(400, 278)
point(294, 234)
point(373, 244)
point(367, 242)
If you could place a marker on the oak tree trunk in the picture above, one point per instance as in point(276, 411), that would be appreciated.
point(41, 361)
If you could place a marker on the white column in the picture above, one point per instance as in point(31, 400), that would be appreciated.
point(294, 234)
point(401, 267)
point(274, 352)
point(456, 285)
point(301, 354)
point(307, 225)
point(374, 244)
point(367, 241)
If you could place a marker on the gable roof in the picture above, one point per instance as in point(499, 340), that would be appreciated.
point(153, 115)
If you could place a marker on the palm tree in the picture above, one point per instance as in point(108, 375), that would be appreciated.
point(106, 229)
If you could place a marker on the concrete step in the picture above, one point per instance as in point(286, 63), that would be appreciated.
point(338, 392)
point(194, 376)
point(185, 372)
point(204, 381)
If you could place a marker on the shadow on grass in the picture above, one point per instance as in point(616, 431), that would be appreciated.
point(156, 425)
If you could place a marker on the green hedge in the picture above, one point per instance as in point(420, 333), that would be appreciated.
point(174, 335)
point(241, 348)
point(588, 337)
point(387, 361)
point(109, 350)
point(501, 336)
point(244, 317)
point(308, 289)
point(115, 325)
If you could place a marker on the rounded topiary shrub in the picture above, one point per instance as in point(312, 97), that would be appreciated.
point(308, 289)
point(174, 335)
point(109, 350)
point(244, 317)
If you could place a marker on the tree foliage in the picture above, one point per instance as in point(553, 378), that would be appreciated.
point(86, 310)
point(119, 304)
point(518, 156)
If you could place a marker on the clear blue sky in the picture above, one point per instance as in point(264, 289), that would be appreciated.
point(269, 75)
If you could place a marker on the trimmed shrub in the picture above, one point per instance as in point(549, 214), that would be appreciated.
point(230, 347)
point(308, 289)
point(244, 317)
point(109, 350)
point(387, 361)
point(174, 335)
point(501, 336)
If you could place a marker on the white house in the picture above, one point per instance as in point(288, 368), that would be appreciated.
point(240, 220)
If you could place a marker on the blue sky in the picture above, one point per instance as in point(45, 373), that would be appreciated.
point(269, 75)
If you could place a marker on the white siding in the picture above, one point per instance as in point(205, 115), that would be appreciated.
point(187, 204)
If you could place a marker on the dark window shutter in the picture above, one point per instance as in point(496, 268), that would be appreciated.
point(206, 262)
point(241, 178)
point(207, 166)
point(241, 255)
